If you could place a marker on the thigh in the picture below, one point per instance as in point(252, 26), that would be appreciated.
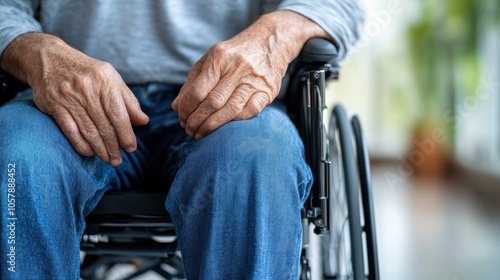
point(48, 171)
point(263, 155)
point(232, 187)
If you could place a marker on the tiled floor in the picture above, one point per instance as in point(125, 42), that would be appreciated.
point(432, 230)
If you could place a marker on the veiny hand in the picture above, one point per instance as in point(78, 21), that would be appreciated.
point(237, 78)
point(91, 104)
point(234, 80)
point(87, 98)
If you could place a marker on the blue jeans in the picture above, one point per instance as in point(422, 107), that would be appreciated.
point(235, 195)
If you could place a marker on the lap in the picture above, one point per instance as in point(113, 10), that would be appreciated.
point(262, 154)
point(163, 146)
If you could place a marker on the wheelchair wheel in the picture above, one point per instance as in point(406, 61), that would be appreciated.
point(352, 236)
point(342, 248)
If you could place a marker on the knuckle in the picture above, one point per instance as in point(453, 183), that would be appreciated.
point(190, 126)
point(255, 105)
point(234, 106)
point(182, 119)
point(108, 134)
point(192, 98)
point(215, 100)
point(252, 110)
point(116, 114)
point(65, 86)
point(219, 49)
point(81, 81)
point(103, 68)
point(240, 59)
point(72, 134)
point(197, 96)
point(193, 124)
point(209, 126)
point(91, 134)
point(82, 147)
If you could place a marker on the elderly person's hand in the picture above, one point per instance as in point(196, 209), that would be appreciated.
point(237, 78)
point(86, 97)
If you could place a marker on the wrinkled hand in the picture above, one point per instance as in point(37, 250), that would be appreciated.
point(88, 100)
point(237, 78)
point(92, 106)
point(234, 80)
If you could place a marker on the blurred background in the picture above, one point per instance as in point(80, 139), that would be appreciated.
point(425, 81)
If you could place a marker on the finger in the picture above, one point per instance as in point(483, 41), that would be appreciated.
point(228, 112)
point(257, 102)
point(215, 100)
point(70, 129)
point(133, 108)
point(122, 110)
point(90, 133)
point(192, 75)
point(195, 94)
point(105, 128)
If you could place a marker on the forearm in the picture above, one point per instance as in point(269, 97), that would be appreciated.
point(24, 56)
point(17, 18)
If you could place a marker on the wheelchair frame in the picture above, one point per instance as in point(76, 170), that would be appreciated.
point(342, 142)
point(117, 228)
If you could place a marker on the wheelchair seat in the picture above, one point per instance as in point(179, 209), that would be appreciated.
point(133, 224)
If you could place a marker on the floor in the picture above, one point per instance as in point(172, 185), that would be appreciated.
point(435, 229)
point(429, 229)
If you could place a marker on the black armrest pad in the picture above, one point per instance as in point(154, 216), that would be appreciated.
point(317, 50)
point(9, 87)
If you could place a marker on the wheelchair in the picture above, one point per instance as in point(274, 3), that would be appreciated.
point(133, 227)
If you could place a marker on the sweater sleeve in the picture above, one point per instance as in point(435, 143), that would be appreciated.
point(17, 18)
point(341, 19)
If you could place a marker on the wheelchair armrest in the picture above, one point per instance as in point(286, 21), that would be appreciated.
point(316, 53)
point(318, 50)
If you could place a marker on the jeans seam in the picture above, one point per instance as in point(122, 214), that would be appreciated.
point(308, 179)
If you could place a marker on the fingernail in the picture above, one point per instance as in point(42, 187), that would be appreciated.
point(130, 149)
point(183, 124)
point(116, 162)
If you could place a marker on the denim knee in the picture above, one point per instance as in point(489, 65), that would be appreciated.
point(242, 184)
point(263, 156)
point(50, 169)
point(27, 133)
point(269, 144)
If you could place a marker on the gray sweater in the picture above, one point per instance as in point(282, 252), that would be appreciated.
point(153, 40)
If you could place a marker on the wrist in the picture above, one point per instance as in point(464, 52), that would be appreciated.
point(23, 56)
point(289, 31)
